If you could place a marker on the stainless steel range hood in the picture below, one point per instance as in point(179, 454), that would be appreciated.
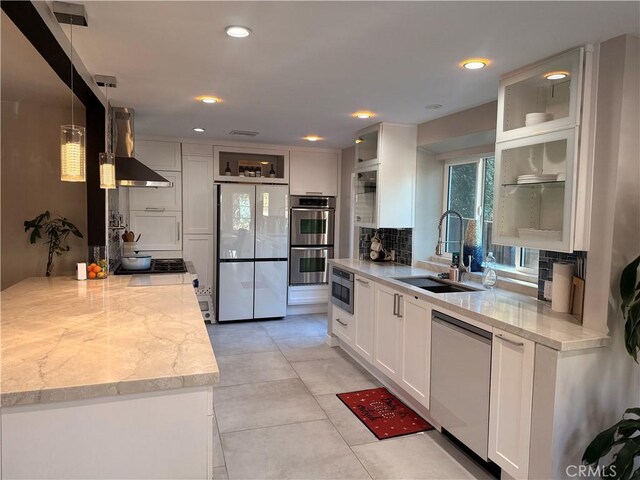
point(130, 172)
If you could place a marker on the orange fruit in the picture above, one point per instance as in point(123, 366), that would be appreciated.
point(97, 269)
point(92, 274)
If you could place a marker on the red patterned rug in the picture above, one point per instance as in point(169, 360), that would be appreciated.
point(383, 413)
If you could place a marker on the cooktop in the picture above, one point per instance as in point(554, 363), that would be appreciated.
point(158, 265)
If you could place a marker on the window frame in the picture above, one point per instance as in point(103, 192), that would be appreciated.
point(479, 160)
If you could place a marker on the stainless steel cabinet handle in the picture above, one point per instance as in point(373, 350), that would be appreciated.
point(508, 340)
point(362, 281)
point(341, 322)
point(400, 297)
point(395, 304)
point(154, 209)
point(178, 227)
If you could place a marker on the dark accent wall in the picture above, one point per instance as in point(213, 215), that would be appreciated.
point(545, 266)
point(25, 16)
point(399, 240)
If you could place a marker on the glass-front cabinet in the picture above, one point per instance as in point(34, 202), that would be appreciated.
point(253, 165)
point(541, 98)
point(366, 202)
point(535, 197)
point(367, 146)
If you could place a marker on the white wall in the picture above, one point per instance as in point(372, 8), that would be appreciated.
point(428, 204)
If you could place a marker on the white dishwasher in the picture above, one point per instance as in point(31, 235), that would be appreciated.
point(460, 380)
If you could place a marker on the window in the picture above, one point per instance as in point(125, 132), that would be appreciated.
point(468, 189)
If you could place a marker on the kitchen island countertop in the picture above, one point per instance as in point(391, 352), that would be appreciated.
point(513, 312)
point(64, 339)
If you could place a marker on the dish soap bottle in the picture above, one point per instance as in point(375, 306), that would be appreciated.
point(489, 275)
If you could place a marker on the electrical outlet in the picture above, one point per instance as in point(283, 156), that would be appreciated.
point(548, 287)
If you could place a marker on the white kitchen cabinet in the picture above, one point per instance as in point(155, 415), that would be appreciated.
point(342, 324)
point(157, 155)
point(512, 367)
point(158, 199)
point(313, 173)
point(199, 250)
point(197, 201)
point(364, 303)
point(388, 323)
point(385, 176)
point(537, 90)
point(416, 341)
point(159, 230)
point(538, 214)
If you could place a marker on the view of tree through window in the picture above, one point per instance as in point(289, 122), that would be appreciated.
point(467, 190)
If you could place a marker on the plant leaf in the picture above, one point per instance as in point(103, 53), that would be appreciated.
point(600, 445)
point(628, 281)
point(623, 460)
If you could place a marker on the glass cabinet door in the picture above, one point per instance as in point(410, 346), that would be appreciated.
point(534, 184)
point(367, 146)
point(366, 198)
point(542, 98)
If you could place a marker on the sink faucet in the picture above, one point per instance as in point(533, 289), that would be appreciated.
point(439, 246)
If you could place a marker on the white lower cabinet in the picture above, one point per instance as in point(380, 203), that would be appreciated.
point(388, 322)
point(364, 317)
point(416, 342)
point(159, 230)
point(512, 366)
point(199, 250)
point(342, 324)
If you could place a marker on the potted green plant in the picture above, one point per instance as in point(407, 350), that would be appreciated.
point(620, 443)
point(56, 230)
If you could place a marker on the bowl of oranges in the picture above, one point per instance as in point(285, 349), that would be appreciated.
point(98, 270)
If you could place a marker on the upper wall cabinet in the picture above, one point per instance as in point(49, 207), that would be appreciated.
point(159, 155)
point(314, 173)
point(385, 176)
point(541, 98)
point(544, 154)
point(251, 165)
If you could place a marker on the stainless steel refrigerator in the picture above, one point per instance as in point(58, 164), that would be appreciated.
point(252, 244)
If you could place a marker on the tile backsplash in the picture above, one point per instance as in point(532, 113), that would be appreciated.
point(546, 261)
point(399, 240)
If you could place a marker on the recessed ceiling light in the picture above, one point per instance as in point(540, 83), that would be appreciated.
point(198, 129)
point(433, 106)
point(556, 75)
point(209, 99)
point(312, 138)
point(237, 31)
point(359, 140)
point(474, 63)
point(363, 114)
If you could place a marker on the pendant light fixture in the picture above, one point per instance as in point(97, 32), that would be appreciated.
point(72, 137)
point(107, 159)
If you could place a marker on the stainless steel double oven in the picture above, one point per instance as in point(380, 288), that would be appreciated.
point(312, 237)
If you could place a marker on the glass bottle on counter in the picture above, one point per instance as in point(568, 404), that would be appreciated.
point(489, 275)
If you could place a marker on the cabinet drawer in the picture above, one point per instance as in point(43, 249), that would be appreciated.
point(342, 324)
point(158, 199)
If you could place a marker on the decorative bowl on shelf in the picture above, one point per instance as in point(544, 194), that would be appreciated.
point(535, 118)
point(538, 234)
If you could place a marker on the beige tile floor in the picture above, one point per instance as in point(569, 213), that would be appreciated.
point(277, 416)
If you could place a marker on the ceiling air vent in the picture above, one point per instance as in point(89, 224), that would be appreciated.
point(245, 133)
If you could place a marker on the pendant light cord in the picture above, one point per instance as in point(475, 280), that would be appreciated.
point(107, 126)
point(71, 60)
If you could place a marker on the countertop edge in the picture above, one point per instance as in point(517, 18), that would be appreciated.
point(107, 390)
point(562, 346)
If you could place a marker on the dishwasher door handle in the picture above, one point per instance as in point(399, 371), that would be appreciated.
point(508, 340)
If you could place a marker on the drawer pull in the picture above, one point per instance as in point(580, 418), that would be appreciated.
point(341, 322)
point(508, 340)
point(364, 282)
point(395, 304)
point(400, 297)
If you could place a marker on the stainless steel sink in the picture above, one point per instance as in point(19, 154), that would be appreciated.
point(437, 285)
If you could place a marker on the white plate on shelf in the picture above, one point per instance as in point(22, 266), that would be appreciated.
point(535, 118)
point(535, 234)
point(537, 178)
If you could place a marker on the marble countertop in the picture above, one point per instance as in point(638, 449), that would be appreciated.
point(64, 339)
point(513, 312)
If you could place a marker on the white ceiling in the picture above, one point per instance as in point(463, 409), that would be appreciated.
point(309, 65)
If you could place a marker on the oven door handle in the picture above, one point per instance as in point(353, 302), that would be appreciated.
point(311, 248)
point(309, 209)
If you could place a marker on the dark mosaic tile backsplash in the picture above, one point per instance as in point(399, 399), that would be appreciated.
point(546, 261)
point(392, 239)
